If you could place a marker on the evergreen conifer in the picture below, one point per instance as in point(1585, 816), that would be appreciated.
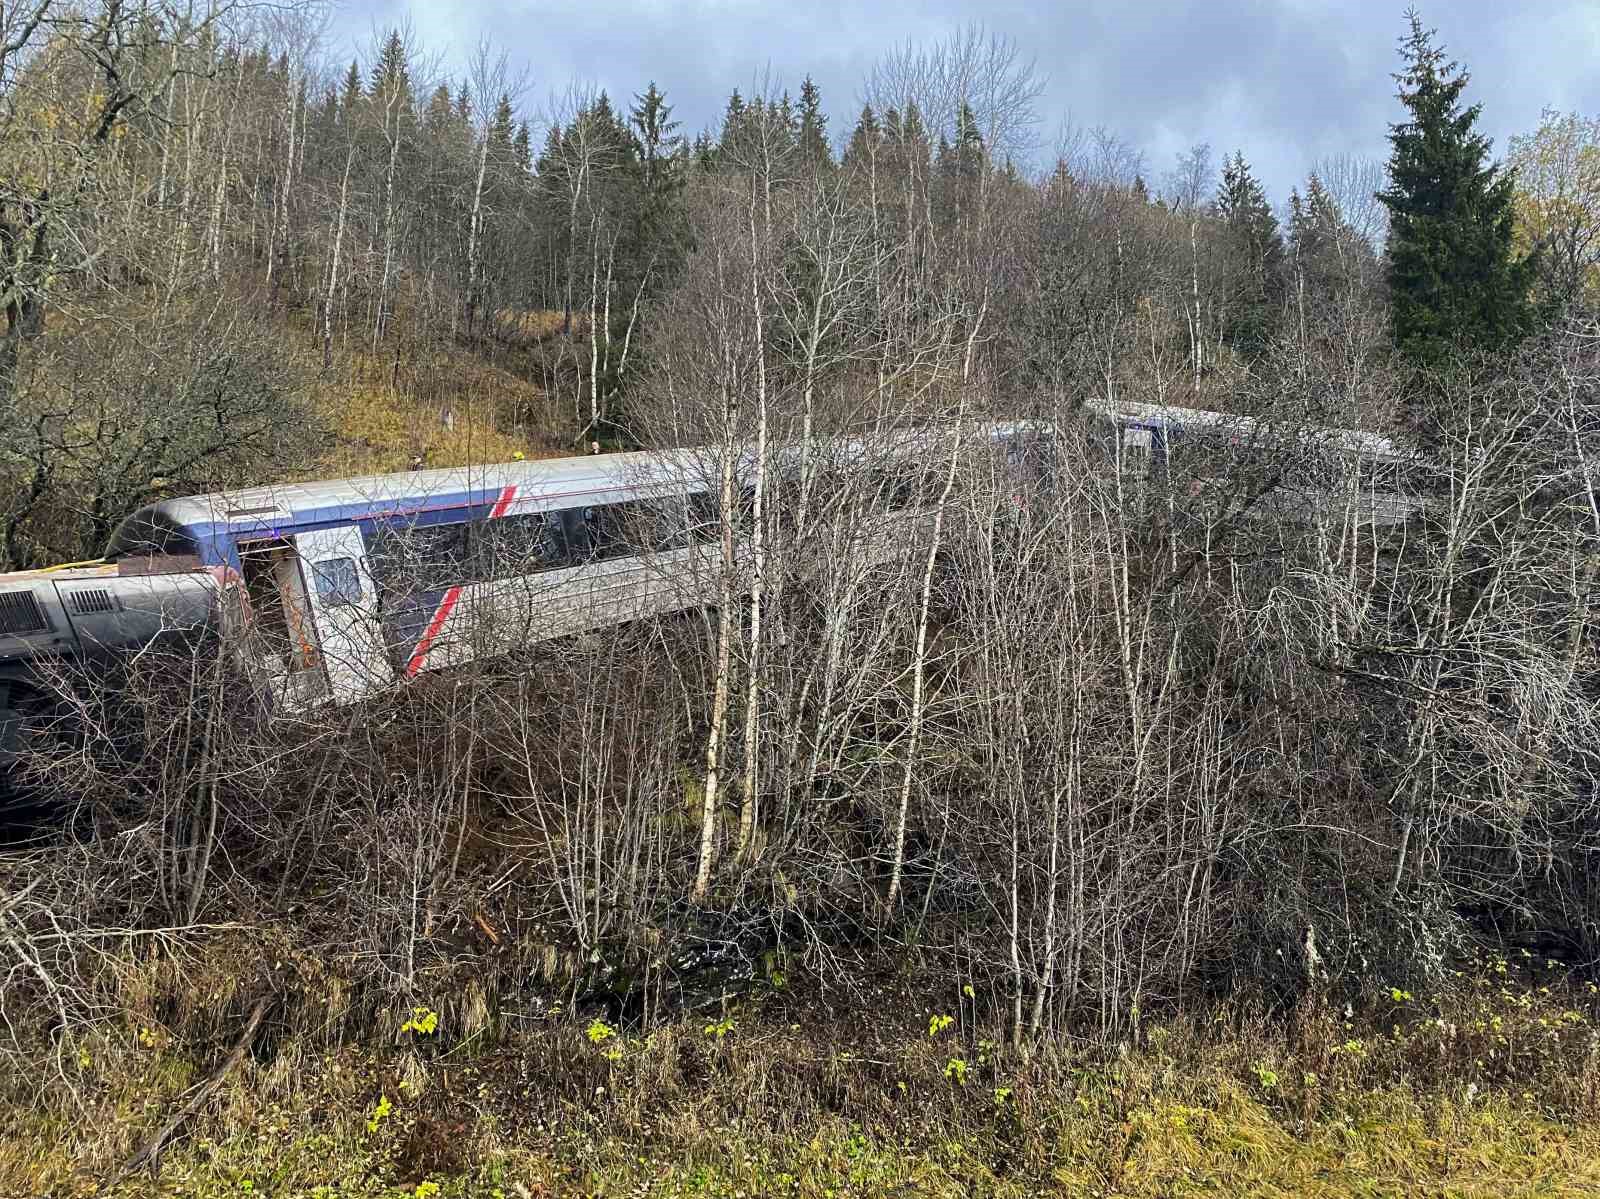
point(1454, 278)
point(1256, 256)
point(814, 151)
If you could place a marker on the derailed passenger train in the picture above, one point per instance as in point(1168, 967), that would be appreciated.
point(334, 591)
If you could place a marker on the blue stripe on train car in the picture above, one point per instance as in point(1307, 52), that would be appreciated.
point(219, 540)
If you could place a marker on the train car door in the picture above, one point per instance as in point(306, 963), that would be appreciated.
point(344, 603)
point(278, 635)
point(1138, 445)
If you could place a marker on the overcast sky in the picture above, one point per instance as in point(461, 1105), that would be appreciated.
point(1286, 81)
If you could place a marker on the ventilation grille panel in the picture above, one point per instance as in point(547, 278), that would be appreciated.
point(90, 602)
point(20, 613)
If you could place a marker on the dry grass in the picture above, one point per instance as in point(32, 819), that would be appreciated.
point(528, 326)
point(449, 408)
point(1492, 1087)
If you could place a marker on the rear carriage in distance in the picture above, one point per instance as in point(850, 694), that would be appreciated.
point(1312, 467)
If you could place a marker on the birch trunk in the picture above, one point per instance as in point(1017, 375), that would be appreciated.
point(474, 233)
point(333, 263)
point(919, 666)
point(747, 810)
point(378, 321)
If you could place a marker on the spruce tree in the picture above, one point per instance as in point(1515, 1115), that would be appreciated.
point(863, 140)
point(391, 74)
point(1255, 257)
point(783, 117)
point(814, 151)
point(1454, 279)
point(351, 94)
point(502, 129)
point(651, 118)
point(704, 151)
point(734, 121)
point(522, 148)
point(661, 218)
point(1325, 253)
point(439, 113)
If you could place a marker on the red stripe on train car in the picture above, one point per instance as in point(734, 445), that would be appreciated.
point(434, 625)
point(504, 502)
point(420, 654)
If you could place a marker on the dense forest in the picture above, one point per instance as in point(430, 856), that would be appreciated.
point(1067, 767)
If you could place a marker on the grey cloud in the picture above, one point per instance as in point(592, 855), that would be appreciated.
point(1286, 81)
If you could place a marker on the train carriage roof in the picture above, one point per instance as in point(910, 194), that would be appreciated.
point(292, 505)
point(284, 507)
point(1355, 441)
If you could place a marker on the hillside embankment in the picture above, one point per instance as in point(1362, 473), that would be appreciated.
point(864, 1087)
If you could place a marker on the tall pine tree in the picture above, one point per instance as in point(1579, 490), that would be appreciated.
point(651, 119)
point(735, 120)
point(814, 150)
point(662, 219)
point(863, 140)
point(1255, 257)
point(1454, 279)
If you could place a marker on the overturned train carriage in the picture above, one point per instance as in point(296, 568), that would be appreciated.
point(332, 591)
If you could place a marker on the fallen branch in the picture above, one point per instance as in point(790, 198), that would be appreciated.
point(148, 1153)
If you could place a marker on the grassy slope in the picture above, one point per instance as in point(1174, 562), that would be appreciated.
point(1214, 1138)
point(382, 417)
point(1491, 1089)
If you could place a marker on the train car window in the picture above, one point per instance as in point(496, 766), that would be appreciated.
point(338, 582)
point(704, 525)
point(879, 490)
point(671, 523)
point(932, 485)
point(441, 555)
point(660, 524)
point(619, 530)
point(385, 555)
point(1044, 462)
point(897, 488)
point(705, 509)
point(1384, 476)
point(602, 534)
point(521, 545)
point(1100, 445)
point(150, 532)
point(575, 528)
point(783, 498)
point(421, 557)
point(1425, 480)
